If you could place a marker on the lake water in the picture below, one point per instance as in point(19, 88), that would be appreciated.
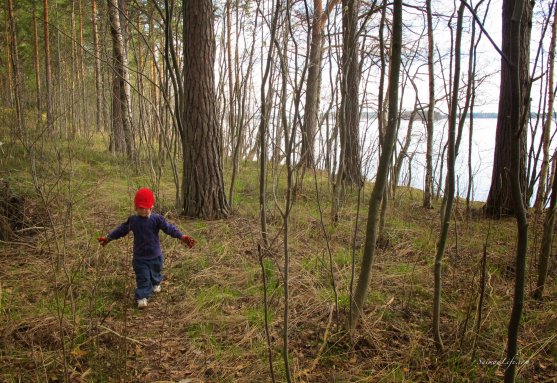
point(483, 143)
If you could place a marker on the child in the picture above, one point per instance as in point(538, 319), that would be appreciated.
point(147, 252)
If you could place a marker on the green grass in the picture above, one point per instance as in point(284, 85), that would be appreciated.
point(215, 296)
point(210, 298)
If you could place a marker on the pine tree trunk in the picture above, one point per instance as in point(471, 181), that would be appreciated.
point(15, 68)
point(203, 186)
point(350, 112)
point(73, 75)
point(500, 200)
point(8, 89)
point(97, 52)
point(81, 70)
point(47, 68)
point(121, 118)
point(37, 66)
point(521, 14)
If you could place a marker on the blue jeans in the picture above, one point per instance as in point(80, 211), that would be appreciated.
point(147, 275)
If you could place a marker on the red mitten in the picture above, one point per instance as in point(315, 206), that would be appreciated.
point(103, 241)
point(190, 242)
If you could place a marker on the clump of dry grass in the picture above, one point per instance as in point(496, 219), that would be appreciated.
point(79, 321)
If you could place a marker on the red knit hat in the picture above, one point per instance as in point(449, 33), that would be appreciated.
point(144, 199)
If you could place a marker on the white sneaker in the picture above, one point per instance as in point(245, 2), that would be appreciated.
point(157, 288)
point(142, 303)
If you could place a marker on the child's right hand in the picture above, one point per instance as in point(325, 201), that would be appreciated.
point(103, 241)
point(190, 242)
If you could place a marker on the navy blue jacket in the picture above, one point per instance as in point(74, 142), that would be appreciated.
point(146, 242)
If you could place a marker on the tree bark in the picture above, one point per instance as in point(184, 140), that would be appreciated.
point(202, 183)
point(541, 194)
point(309, 126)
point(15, 68)
point(263, 126)
point(428, 187)
point(37, 66)
point(81, 69)
point(547, 242)
point(520, 15)
point(450, 186)
point(499, 200)
point(231, 98)
point(97, 52)
point(8, 91)
point(47, 68)
point(121, 118)
point(350, 112)
point(357, 300)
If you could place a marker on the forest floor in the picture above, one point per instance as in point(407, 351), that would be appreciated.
point(67, 311)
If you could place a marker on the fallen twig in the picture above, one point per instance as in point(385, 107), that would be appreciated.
point(29, 228)
point(122, 336)
point(18, 243)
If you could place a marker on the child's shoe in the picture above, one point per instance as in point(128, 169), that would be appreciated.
point(142, 303)
point(157, 288)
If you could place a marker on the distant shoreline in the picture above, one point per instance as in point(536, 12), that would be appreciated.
point(405, 115)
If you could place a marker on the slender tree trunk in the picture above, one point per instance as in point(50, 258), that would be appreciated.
point(521, 11)
point(381, 118)
point(263, 126)
point(15, 68)
point(473, 61)
point(240, 95)
point(266, 313)
point(309, 126)
point(549, 222)
point(428, 188)
point(469, 82)
point(404, 150)
point(541, 194)
point(37, 66)
point(289, 137)
point(97, 53)
point(81, 69)
point(121, 103)
point(72, 75)
point(9, 94)
point(470, 146)
point(48, 72)
point(202, 182)
point(547, 242)
point(313, 84)
point(357, 301)
point(62, 122)
point(383, 69)
point(450, 189)
point(231, 101)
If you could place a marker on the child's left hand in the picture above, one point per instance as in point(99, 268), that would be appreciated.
point(190, 242)
point(103, 241)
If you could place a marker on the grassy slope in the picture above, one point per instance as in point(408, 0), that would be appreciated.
point(207, 324)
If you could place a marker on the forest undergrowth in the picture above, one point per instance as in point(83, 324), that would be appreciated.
point(67, 311)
